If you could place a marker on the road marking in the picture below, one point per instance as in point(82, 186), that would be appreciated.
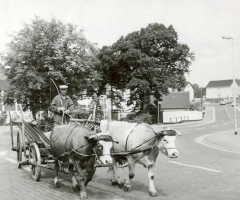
point(228, 113)
point(11, 160)
point(201, 128)
point(2, 153)
point(215, 126)
point(193, 166)
point(225, 124)
point(200, 140)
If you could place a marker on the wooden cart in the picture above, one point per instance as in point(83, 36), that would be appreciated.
point(33, 146)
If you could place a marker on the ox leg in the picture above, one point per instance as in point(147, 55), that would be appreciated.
point(115, 177)
point(56, 180)
point(90, 170)
point(152, 191)
point(75, 185)
point(83, 192)
point(131, 168)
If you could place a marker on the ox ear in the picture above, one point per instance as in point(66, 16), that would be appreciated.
point(91, 138)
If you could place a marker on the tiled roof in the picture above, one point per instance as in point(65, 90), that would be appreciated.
point(220, 83)
point(176, 100)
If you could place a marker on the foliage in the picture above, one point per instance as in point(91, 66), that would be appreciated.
point(195, 106)
point(3, 117)
point(139, 118)
point(199, 91)
point(81, 112)
point(148, 62)
point(44, 50)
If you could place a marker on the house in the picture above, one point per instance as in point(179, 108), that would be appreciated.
point(189, 88)
point(222, 89)
point(175, 108)
point(4, 86)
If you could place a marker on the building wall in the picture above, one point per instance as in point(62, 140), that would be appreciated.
point(178, 116)
point(189, 89)
point(222, 92)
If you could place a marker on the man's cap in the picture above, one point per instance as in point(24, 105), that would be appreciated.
point(63, 86)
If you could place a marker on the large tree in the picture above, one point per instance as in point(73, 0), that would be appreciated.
point(45, 50)
point(148, 62)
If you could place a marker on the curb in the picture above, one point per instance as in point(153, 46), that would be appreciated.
point(200, 140)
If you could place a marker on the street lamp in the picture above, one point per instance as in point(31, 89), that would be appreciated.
point(234, 92)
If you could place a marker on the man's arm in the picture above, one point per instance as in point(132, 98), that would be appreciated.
point(55, 107)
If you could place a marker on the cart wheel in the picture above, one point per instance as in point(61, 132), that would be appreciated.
point(19, 149)
point(35, 159)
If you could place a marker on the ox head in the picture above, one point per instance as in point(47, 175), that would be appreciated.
point(167, 142)
point(103, 147)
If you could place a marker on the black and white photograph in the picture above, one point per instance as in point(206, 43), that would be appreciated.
point(119, 100)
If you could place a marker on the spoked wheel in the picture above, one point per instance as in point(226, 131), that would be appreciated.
point(35, 161)
point(19, 149)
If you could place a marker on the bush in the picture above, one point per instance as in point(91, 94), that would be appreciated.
point(3, 117)
point(139, 118)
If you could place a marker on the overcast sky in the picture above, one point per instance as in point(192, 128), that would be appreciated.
point(199, 23)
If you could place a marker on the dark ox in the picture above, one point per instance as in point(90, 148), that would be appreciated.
point(130, 136)
point(74, 146)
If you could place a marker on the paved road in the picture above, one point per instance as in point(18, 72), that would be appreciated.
point(199, 173)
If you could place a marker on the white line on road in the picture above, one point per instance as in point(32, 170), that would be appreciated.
point(225, 124)
point(215, 126)
point(204, 168)
point(200, 140)
point(2, 153)
point(201, 128)
point(228, 113)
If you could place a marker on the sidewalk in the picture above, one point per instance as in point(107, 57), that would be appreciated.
point(226, 140)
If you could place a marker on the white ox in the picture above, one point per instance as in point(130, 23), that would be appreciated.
point(134, 136)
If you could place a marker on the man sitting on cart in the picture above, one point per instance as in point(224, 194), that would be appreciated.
point(61, 106)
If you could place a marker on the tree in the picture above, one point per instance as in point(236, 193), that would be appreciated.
point(199, 91)
point(148, 62)
point(44, 50)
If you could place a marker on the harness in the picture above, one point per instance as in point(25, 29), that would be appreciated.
point(167, 132)
point(81, 154)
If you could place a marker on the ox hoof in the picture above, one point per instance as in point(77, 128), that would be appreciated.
point(127, 187)
point(152, 194)
point(83, 195)
point(121, 184)
point(114, 183)
point(76, 188)
point(57, 185)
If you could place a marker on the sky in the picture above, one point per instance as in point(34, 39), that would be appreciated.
point(200, 24)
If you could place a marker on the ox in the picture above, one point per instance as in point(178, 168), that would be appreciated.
point(73, 145)
point(136, 136)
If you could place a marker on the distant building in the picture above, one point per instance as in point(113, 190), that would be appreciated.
point(222, 89)
point(4, 86)
point(189, 88)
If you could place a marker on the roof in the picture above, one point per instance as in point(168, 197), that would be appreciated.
point(238, 81)
point(220, 83)
point(176, 100)
point(186, 84)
